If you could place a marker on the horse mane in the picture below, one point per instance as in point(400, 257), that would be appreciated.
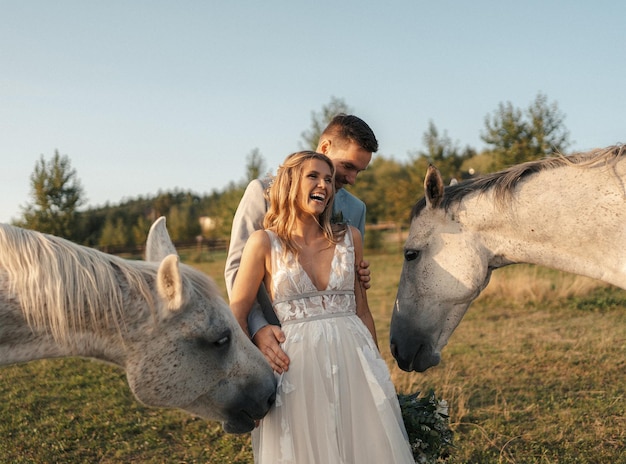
point(504, 182)
point(63, 287)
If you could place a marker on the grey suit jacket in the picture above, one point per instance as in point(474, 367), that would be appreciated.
point(249, 218)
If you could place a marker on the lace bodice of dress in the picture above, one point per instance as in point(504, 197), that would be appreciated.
point(295, 296)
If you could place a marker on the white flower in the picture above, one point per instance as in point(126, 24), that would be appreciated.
point(442, 408)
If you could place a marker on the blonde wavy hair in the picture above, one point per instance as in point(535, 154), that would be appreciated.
point(283, 199)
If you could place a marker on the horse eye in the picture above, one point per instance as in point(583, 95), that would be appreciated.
point(411, 255)
point(222, 341)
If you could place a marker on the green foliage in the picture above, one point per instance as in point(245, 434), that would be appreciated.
point(255, 165)
point(56, 196)
point(114, 233)
point(374, 240)
point(517, 136)
point(183, 219)
point(443, 153)
point(320, 120)
point(139, 231)
point(388, 187)
point(427, 423)
point(600, 300)
point(222, 207)
point(125, 226)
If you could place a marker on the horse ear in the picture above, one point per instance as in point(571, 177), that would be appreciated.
point(159, 244)
point(170, 282)
point(433, 187)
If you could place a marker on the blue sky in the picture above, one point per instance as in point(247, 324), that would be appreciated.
point(145, 96)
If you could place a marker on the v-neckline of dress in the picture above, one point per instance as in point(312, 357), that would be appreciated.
point(330, 270)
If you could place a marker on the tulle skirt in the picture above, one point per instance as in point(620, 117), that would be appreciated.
point(336, 404)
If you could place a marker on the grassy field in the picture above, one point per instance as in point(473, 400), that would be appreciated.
point(535, 373)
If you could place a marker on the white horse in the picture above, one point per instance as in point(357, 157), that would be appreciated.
point(163, 322)
point(567, 213)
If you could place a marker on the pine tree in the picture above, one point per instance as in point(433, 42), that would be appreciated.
point(56, 196)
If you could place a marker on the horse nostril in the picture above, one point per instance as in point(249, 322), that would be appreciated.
point(394, 350)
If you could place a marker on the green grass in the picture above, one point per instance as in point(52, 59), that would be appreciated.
point(77, 410)
point(535, 373)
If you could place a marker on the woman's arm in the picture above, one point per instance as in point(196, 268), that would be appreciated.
point(252, 271)
point(362, 307)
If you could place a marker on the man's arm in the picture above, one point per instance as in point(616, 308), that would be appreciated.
point(353, 211)
point(359, 222)
point(250, 274)
point(249, 218)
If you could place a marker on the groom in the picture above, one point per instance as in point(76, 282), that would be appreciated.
point(349, 142)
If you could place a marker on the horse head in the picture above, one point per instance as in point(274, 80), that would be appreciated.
point(444, 270)
point(195, 356)
point(459, 234)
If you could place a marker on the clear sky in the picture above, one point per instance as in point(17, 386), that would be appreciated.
point(149, 95)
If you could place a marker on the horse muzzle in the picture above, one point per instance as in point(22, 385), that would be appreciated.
point(244, 419)
point(414, 357)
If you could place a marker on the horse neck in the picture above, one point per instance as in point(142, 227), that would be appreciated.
point(85, 303)
point(21, 343)
point(569, 219)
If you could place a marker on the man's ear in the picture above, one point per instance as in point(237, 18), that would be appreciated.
point(324, 146)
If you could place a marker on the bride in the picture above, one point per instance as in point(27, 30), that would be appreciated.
point(336, 403)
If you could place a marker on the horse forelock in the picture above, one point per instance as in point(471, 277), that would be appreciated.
point(503, 183)
point(63, 287)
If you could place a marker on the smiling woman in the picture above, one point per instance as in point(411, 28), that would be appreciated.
point(336, 401)
point(310, 173)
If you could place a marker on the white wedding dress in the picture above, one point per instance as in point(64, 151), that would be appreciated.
point(336, 404)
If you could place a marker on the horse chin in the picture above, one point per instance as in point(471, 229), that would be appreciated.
point(423, 361)
point(420, 360)
point(232, 421)
point(239, 425)
point(238, 417)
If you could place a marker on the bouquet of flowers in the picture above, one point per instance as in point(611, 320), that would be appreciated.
point(427, 424)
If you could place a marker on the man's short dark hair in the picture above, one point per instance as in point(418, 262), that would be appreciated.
point(349, 128)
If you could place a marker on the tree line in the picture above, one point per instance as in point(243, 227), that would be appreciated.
point(388, 187)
